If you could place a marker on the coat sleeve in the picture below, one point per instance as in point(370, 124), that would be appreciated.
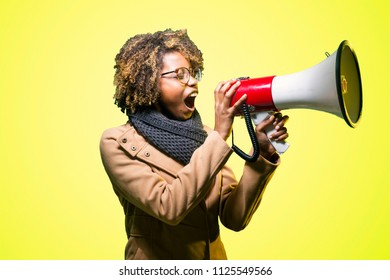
point(169, 202)
point(239, 201)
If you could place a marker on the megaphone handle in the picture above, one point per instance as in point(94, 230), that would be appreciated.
point(258, 117)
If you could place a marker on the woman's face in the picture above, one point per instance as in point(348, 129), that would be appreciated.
point(177, 100)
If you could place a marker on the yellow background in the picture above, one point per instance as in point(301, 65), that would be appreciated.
point(328, 200)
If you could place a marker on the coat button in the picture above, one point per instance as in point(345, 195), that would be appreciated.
point(133, 148)
point(147, 154)
point(124, 140)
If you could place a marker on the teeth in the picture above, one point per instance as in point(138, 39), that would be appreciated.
point(194, 94)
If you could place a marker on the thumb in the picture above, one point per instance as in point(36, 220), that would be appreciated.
point(265, 123)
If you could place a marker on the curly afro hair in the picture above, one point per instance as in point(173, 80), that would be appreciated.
point(139, 63)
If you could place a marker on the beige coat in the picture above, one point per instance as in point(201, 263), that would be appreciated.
point(172, 210)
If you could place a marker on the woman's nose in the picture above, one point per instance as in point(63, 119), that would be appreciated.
point(192, 81)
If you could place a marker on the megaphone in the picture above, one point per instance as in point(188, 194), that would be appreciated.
point(333, 86)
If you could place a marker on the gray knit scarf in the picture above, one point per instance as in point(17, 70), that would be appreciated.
point(177, 139)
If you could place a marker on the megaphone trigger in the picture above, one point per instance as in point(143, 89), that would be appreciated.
point(258, 117)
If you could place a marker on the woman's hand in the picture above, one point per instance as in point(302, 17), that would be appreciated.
point(224, 117)
point(224, 113)
point(277, 121)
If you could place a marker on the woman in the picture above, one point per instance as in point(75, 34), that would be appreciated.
point(168, 169)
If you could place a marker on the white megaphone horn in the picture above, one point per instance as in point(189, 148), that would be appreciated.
point(333, 86)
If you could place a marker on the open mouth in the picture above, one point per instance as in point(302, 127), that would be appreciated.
point(190, 100)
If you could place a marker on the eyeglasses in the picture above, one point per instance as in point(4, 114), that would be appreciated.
point(183, 74)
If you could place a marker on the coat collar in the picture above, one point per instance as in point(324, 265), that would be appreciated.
point(137, 146)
